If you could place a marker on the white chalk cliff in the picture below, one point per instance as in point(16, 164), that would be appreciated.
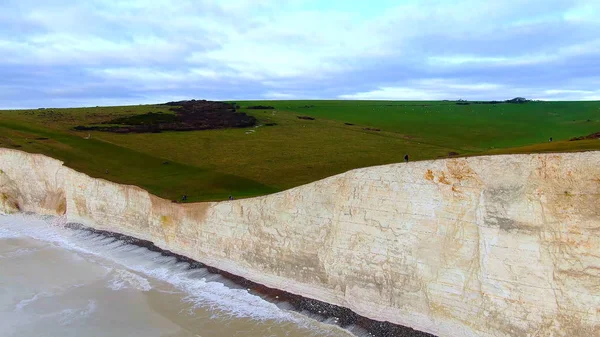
point(482, 246)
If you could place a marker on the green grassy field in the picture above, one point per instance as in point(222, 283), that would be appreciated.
point(213, 164)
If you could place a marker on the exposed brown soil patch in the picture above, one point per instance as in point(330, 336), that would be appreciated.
point(188, 116)
point(591, 136)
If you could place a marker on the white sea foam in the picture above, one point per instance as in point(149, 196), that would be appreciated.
point(200, 286)
point(19, 252)
point(7, 234)
point(123, 279)
point(71, 315)
point(128, 265)
point(56, 291)
point(23, 303)
point(68, 316)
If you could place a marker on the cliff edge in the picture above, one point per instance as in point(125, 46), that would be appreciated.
point(482, 246)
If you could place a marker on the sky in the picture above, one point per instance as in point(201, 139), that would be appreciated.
point(66, 53)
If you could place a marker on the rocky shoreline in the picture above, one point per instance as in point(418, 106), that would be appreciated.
point(344, 317)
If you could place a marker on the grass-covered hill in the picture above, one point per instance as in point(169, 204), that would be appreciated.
point(290, 143)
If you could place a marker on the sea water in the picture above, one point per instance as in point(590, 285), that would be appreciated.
point(57, 281)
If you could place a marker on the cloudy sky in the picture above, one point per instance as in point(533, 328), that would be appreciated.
point(100, 52)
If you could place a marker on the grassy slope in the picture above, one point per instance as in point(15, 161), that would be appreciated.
point(474, 127)
point(94, 157)
point(210, 165)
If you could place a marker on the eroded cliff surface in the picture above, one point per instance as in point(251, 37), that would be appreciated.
point(483, 246)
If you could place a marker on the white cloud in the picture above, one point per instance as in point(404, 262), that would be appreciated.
point(461, 60)
point(448, 84)
point(396, 93)
point(152, 75)
point(567, 95)
point(276, 48)
point(586, 11)
point(430, 89)
point(278, 95)
point(573, 50)
point(71, 49)
point(299, 44)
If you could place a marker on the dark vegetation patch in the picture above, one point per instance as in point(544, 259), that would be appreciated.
point(348, 124)
point(270, 124)
point(595, 135)
point(488, 102)
point(516, 100)
point(452, 154)
point(145, 119)
point(306, 106)
point(308, 118)
point(260, 107)
point(371, 129)
point(48, 114)
point(42, 138)
point(188, 116)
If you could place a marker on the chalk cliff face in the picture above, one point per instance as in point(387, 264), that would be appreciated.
point(483, 246)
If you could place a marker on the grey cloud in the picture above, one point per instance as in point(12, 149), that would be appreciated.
point(56, 52)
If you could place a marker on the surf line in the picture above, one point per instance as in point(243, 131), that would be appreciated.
point(342, 317)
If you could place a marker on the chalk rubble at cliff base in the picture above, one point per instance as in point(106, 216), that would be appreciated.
point(481, 246)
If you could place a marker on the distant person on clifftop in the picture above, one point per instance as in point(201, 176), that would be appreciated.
point(406, 158)
point(550, 140)
point(184, 198)
point(230, 197)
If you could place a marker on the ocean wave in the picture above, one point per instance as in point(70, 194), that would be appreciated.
point(25, 302)
point(57, 291)
point(7, 234)
point(123, 279)
point(19, 252)
point(69, 316)
point(201, 287)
